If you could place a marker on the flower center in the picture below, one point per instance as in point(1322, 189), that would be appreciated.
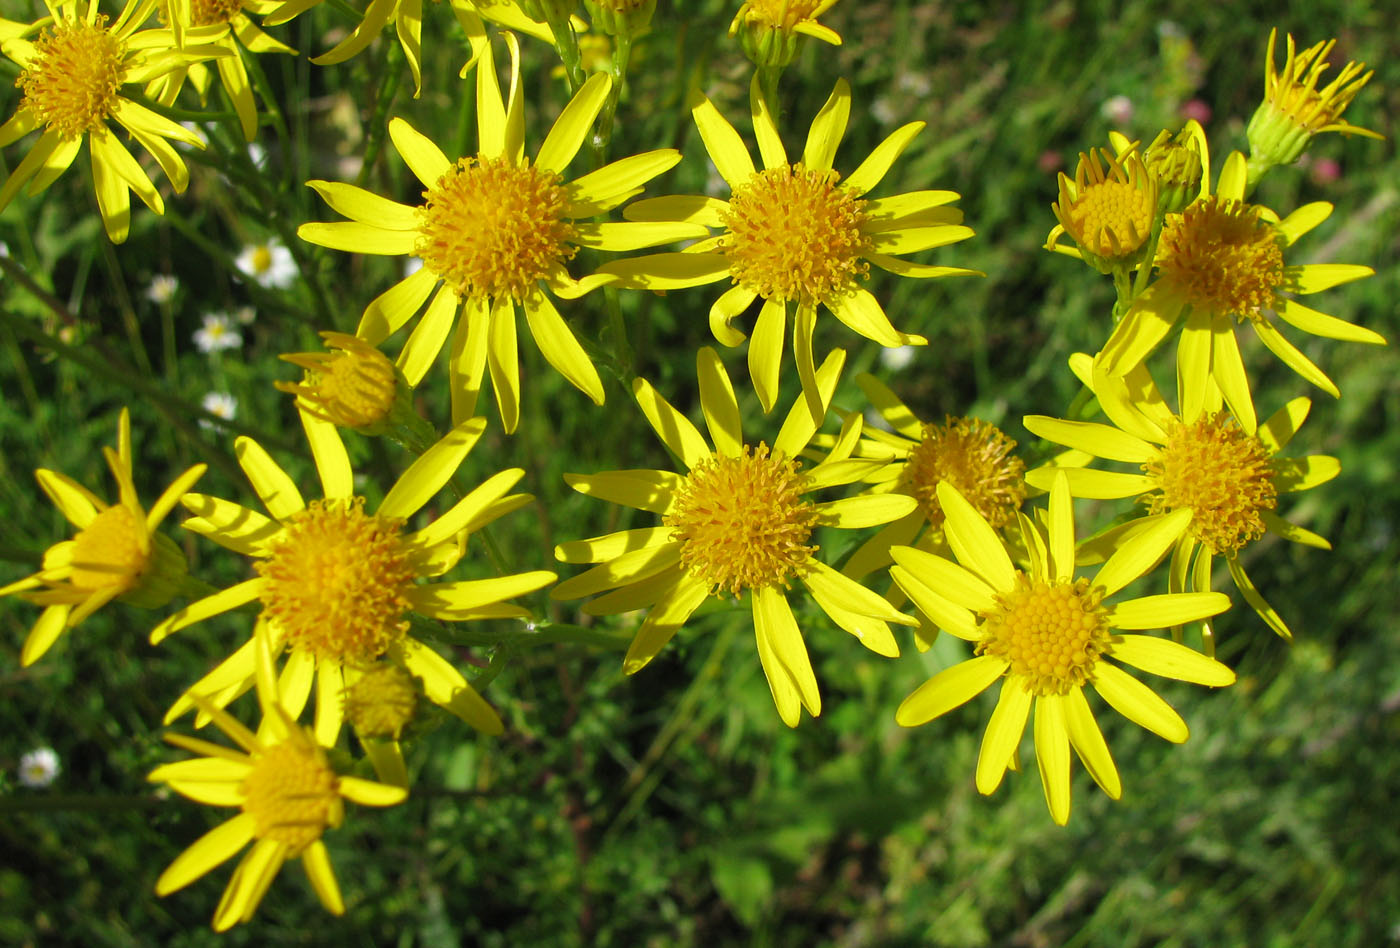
point(743, 521)
point(336, 583)
point(1223, 256)
point(1049, 633)
point(782, 14)
point(490, 228)
point(209, 12)
point(1222, 475)
point(111, 551)
point(794, 235)
point(292, 794)
point(1110, 219)
point(71, 83)
point(972, 456)
point(382, 701)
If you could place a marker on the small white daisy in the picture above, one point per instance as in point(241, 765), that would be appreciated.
point(162, 289)
point(217, 334)
point(269, 263)
point(897, 357)
point(39, 767)
point(244, 315)
point(218, 403)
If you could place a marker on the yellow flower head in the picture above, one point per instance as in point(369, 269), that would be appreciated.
point(796, 233)
point(495, 230)
point(1295, 109)
point(337, 583)
point(227, 25)
point(974, 456)
point(1222, 262)
point(355, 386)
point(738, 521)
point(1107, 211)
point(288, 795)
point(72, 74)
point(769, 30)
point(1046, 634)
point(1227, 475)
point(116, 554)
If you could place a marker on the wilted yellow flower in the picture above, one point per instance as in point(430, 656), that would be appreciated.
point(495, 230)
point(1227, 475)
point(72, 76)
point(288, 794)
point(355, 386)
point(795, 233)
point(1046, 635)
point(738, 521)
point(1222, 262)
point(1294, 109)
point(116, 554)
point(337, 583)
point(226, 24)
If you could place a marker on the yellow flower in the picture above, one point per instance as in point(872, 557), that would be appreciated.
point(738, 521)
point(288, 794)
point(1295, 109)
point(1107, 212)
point(226, 24)
point(1221, 262)
point(769, 29)
point(356, 386)
point(71, 75)
point(1227, 476)
point(336, 583)
point(972, 455)
point(795, 233)
point(116, 554)
point(1045, 635)
point(493, 228)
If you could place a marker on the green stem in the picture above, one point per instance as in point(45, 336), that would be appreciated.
point(566, 43)
point(622, 55)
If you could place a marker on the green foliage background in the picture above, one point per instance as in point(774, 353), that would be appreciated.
point(673, 807)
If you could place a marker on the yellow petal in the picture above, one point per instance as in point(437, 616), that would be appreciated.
point(1052, 755)
point(1003, 734)
point(1138, 703)
point(951, 688)
point(673, 428)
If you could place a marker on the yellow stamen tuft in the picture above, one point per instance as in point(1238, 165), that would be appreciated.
point(794, 235)
point(71, 84)
point(292, 794)
point(337, 582)
point(210, 12)
point(1051, 634)
point(1109, 211)
point(1223, 257)
point(973, 456)
point(780, 14)
point(1222, 475)
point(113, 550)
point(490, 228)
point(382, 701)
point(354, 387)
point(743, 521)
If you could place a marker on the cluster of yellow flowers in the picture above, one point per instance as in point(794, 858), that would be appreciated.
point(337, 587)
